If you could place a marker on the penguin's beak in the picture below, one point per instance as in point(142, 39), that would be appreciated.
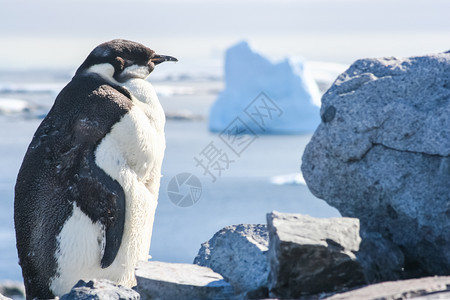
point(157, 59)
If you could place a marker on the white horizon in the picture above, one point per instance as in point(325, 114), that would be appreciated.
point(51, 34)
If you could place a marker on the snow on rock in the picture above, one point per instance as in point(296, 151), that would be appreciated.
point(291, 96)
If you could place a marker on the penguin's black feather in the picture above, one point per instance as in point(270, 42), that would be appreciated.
point(59, 170)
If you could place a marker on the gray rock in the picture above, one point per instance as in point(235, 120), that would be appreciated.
point(12, 290)
point(100, 289)
point(159, 280)
point(309, 255)
point(382, 154)
point(239, 254)
point(445, 295)
point(421, 288)
point(381, 259)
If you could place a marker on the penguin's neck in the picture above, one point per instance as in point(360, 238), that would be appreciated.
point(142, 92)
point(144, 97)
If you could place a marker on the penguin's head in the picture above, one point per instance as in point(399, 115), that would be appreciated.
point(121, 60)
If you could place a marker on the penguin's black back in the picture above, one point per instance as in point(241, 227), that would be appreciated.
point(58, 169)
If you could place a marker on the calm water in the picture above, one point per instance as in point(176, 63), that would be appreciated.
point(241, 193)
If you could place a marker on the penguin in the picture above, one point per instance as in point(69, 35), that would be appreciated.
point(87, 190)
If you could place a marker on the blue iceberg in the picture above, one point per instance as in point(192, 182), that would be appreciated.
point(263, 97)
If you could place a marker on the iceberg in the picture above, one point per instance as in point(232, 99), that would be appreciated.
point(265, 97)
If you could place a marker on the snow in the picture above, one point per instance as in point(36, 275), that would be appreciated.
point(290, 96)
point(10, 106)
point(288, 179)
point(11, 87)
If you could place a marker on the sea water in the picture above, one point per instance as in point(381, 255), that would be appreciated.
point(242, 187)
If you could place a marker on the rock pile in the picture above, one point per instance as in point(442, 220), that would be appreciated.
point(298, 256)
point(294, 256)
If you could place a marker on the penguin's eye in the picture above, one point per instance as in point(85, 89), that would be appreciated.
point(128, 63)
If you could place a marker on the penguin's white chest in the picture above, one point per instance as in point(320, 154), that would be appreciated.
point(131, 154)
point(140, 134)
point(134, 148)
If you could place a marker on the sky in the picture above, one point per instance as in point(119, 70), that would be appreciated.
point(60, 34)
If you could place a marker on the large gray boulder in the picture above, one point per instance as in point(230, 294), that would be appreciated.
point(382, 154)
point(380, 259)
point(160, 280)
point(239, 254)
point(309, 256)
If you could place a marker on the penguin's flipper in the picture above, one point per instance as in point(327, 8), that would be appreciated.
point(103, 200)
point(114, 233)
point(98, 108)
